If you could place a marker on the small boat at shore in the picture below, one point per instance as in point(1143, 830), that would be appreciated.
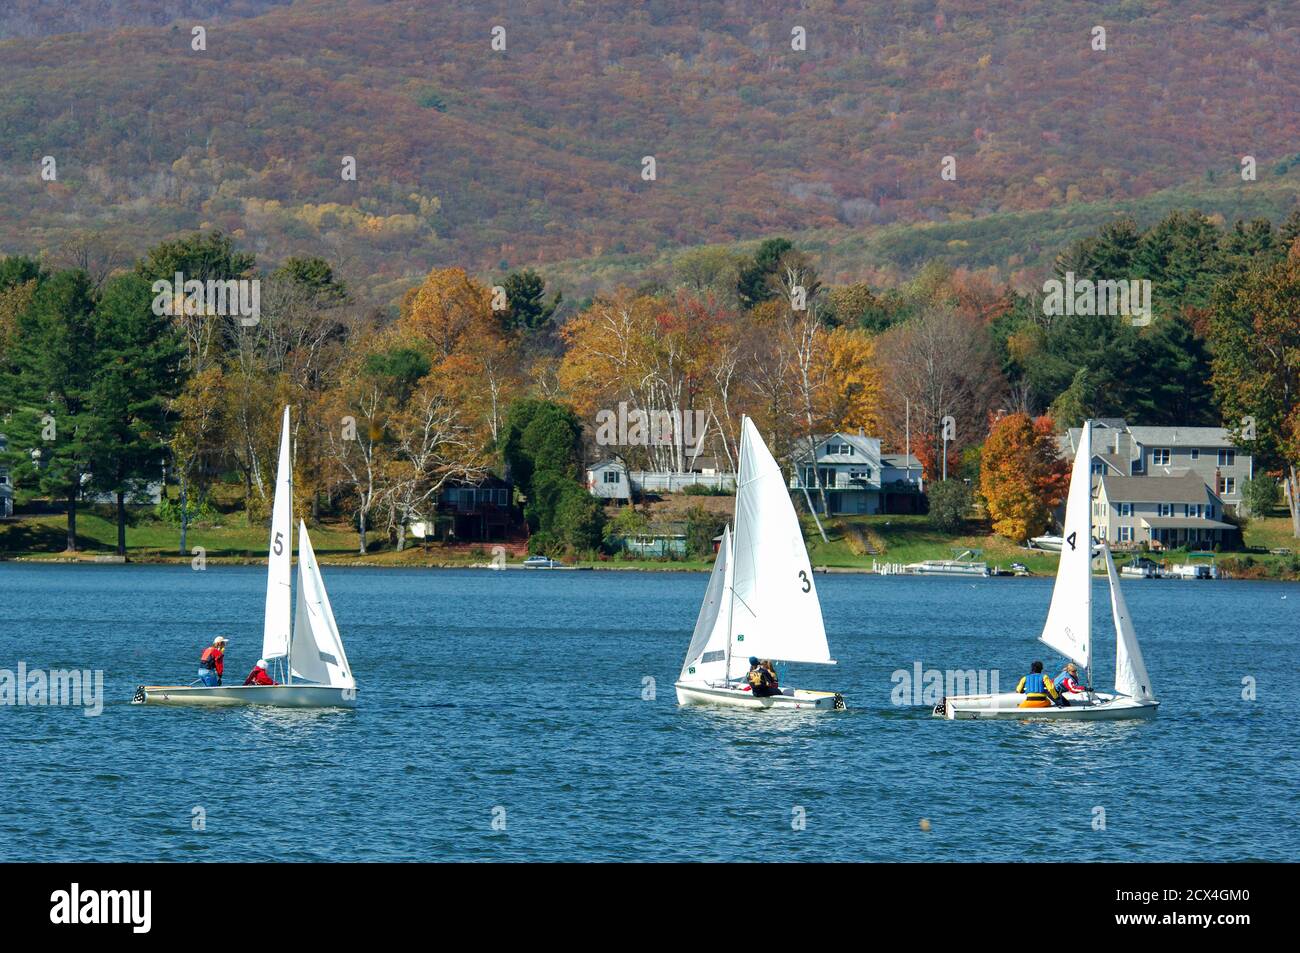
point(760, 601)
point(963, 563)
point(303, 648)
point(1069, 627)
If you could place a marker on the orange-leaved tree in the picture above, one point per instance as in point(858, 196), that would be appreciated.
point(1022, 475)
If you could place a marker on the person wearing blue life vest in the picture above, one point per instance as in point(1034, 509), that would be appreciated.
point(1039, 691)
point(1068, 681)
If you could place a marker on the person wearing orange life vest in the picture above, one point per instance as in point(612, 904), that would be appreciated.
point(1039, 691)
point(259, 676)
point(212, 663)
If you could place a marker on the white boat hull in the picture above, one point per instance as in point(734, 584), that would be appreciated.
point(280, 696)
point(1006, 706)
point(734, 696)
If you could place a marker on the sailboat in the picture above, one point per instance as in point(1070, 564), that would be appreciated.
point(1068, 629)
point(304, 653)
point(761, 600)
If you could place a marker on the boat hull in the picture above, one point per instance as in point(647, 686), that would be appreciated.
point(1006, 707)
point(279, 696)
point(697, 693)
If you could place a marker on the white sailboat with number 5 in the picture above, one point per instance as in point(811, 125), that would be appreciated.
point(305, 654)
point(761, 601)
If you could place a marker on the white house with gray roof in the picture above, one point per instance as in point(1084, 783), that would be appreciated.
point(1164, 512)
point(857, 477)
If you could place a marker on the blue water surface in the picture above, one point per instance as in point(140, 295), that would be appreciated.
point(529, 715)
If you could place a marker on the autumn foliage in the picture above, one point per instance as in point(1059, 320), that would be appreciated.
point(1022, 475)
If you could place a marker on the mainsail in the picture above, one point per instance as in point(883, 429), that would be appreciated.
point(1131, 676)
point(706, 659)
point(1069, 620)
point(317, 654)
point(776, 613)
point(279, 567)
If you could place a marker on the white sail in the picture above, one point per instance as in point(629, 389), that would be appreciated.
point(279, 566)
point(706, 659)
point(1131, 676)
point(317, 654)
point(776, 613)
point(1069, 620)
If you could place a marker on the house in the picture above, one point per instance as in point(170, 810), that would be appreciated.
point(611, 480)
point(6, 485)
point(1164, 512)
point(658, 541)
point(1157, 452)
point(470, 511)
point(857, 477)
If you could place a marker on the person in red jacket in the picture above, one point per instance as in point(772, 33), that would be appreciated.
point(258, 675)
point(212, 663)
point(1068, 681)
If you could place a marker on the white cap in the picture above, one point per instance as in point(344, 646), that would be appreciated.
point(261, 663)
point(220, 638)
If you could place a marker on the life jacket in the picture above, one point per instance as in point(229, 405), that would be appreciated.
point(209, 658)
point(1035, 685)
point(1064, 679)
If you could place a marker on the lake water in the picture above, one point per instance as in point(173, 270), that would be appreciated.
point(518, 697)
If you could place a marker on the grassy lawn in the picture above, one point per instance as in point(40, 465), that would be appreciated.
point(894, 539)
point(908, 539)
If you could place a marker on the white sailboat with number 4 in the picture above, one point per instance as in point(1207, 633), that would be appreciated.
point(761, 600)
point(1069, 626)
point(304, 653)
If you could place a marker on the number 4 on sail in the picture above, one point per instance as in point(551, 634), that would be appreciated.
point(306, 651)
point(1068, 629)
point(760, 603)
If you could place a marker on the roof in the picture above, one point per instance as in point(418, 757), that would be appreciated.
point(900, 461)
point(1183, 522)
point(865, 448)
point(1103, 442)
point(1182, 436)
point(1188, 488)
point(606, 464)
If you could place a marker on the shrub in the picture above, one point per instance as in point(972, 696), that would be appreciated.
point(949, 501)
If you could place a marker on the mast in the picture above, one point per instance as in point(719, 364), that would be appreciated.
point(731, 589)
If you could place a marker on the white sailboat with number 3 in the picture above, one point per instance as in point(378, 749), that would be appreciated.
point(1069, 626)
point(305, 652)
point(761, 600)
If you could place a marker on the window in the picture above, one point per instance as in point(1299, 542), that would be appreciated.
point(1098, 467)
point(1160, 457)
point(1196, 453)
point(1126, 534)
point(860, 474)
point(1126, 509)
point(612, 476)
point(1227, 458)
point(1229, 486)
point(1164, 509)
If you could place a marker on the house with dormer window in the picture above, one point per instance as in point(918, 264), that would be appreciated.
point(857, 477)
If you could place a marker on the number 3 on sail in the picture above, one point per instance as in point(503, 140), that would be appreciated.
point(750, 592)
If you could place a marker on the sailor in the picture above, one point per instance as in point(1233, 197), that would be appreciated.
point(762, 678)
point(212, 663)
point(1038, 691)
point(259, 676)
point(1068, 681)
